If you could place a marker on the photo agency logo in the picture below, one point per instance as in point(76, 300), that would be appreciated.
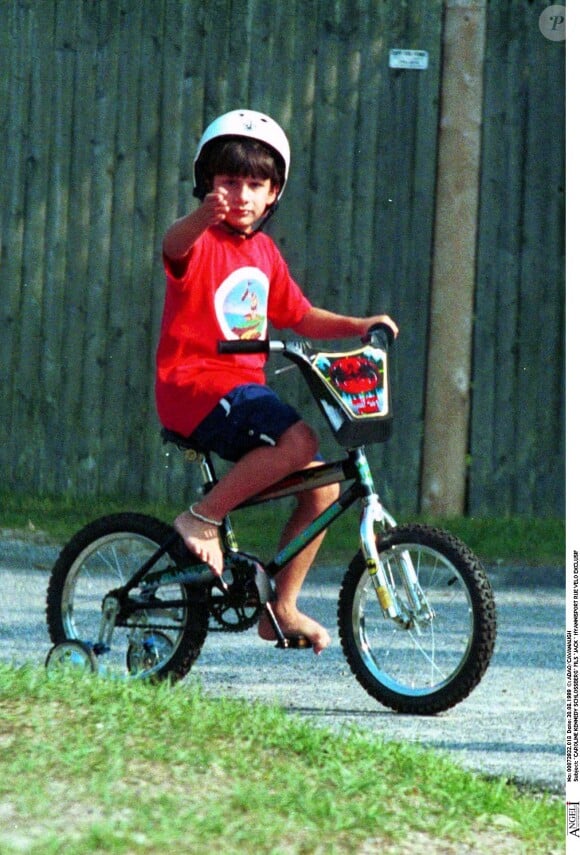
point(552, 23)
point(573, 818)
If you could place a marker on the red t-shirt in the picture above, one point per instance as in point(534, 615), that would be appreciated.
point(230, 288)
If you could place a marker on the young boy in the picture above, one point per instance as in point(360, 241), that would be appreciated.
point(227, 280)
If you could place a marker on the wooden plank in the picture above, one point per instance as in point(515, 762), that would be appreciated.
point(144, 429)
point(372, 47)
point(76, 37)
point(56, 463)
point(262, 55)
point(542, 287)
point(28, 393)
point(217, 72)
point(119, 437)
point(15, 86)
point(147, 260)
point(240, 50)
point(494, 299)
point(290, 226)
point(193, 94)
point(497, 289)
point(31, 390)
point(322, 207)
point(413, 123)
point(166, 211)
point(102, 32)
point(391, 210)
point(341, 292)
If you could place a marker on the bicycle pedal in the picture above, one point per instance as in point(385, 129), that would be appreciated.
point(294, 642)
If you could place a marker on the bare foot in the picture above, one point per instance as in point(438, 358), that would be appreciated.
point(293, 622)
point(202, 539)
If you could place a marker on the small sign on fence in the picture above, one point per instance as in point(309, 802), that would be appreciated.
point(417, 59)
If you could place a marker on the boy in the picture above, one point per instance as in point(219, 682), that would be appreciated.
point(226, 280)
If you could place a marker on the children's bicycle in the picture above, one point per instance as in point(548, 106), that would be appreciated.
point(416, 612)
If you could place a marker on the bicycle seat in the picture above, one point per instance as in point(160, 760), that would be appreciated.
point(183, 442)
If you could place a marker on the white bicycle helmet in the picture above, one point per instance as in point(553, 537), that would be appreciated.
point(243, 123)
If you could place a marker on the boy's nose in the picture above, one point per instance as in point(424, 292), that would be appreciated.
point(242, 190)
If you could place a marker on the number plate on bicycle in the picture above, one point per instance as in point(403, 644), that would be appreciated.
point(354, 394)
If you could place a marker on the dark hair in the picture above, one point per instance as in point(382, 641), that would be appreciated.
point(239, 156)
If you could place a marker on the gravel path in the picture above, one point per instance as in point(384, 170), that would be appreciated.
point(513, 724)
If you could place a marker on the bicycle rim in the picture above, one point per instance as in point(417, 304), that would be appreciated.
point(103, 565)
point(428, 656)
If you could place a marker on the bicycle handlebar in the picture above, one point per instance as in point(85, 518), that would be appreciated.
point(241, 346)
point(382, 332)
point(379, 334)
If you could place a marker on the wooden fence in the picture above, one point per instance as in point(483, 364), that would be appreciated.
point(517, 433)
point(102, 104)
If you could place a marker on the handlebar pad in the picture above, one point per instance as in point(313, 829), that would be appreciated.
point(240, 346)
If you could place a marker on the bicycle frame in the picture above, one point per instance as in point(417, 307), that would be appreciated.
point(353, 468)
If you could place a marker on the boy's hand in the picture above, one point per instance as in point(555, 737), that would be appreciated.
point(384, 319)
point(214, 208)
point(181, 236)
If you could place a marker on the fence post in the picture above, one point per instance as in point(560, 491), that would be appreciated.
point(454, 254)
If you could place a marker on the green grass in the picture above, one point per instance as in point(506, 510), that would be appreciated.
point(92, 765)
point(518, 539)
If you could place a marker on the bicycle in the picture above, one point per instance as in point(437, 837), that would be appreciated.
point(416, 612)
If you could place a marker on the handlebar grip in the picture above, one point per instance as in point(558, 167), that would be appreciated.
point(383, 332)
point(240, 346)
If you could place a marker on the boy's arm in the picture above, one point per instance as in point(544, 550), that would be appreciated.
point(181, 236)
point(319, 323)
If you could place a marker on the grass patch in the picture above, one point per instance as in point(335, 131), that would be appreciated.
point(514, 539)
point(91, 765)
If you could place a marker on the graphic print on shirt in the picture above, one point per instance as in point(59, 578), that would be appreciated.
point(241, 304)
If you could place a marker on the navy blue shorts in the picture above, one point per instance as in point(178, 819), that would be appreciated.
point(248, 417)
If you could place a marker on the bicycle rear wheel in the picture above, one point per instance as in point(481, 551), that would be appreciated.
point(153, 641)
point(439, 659)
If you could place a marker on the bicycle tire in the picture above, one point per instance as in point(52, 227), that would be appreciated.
point(103, 556)
point(427, 669)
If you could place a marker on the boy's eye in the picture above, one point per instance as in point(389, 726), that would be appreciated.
point(231, 182)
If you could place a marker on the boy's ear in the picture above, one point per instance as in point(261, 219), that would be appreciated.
point(275, 188)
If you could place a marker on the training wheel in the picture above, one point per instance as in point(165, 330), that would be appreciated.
point(73, 656)
point(149, 653)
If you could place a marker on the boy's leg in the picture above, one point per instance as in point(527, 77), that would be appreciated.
point(290, 579)
point(294, 446)
point(256, 471)
point(267, 465)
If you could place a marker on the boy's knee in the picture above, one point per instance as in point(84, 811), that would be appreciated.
point(300, 442)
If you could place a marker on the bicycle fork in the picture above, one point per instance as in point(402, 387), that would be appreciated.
point(417, 611)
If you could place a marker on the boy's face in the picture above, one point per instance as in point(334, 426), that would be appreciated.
point(247, 198)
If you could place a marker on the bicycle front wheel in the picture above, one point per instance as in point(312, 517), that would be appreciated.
point(437, 660)
point(158, 638)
